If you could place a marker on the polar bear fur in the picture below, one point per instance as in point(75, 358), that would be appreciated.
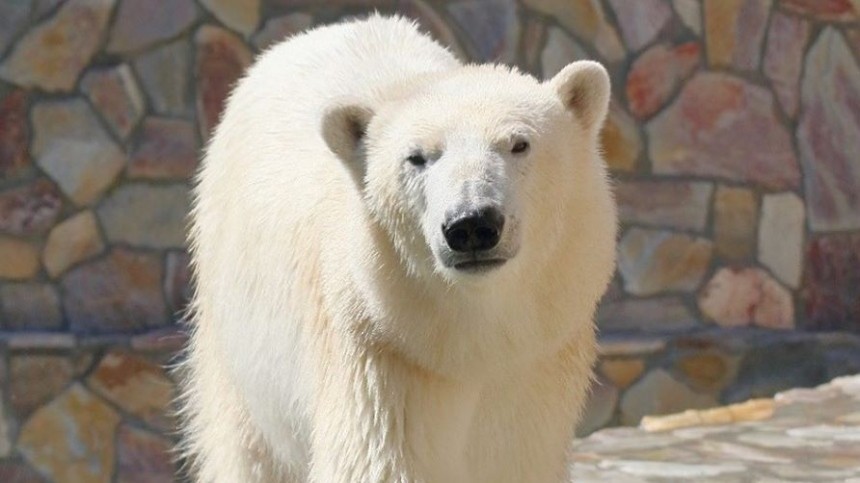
point(330, 342)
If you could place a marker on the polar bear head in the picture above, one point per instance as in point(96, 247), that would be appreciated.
point(473, 170)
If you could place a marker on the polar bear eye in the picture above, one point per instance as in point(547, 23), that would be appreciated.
point(520, 147)
point(417, 159)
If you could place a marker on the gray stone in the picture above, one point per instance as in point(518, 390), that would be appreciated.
point(690, 12)
point(780, 236)
point(146, 216)
point(600, 407)
point(164, 74)
point(74, 150)
point(492, 26)
point(139, 24)
point(641, 21)
point(277, 29)
point(30, 306)
point(559, 51)
point(660, 314)
point(660, 393)
point(13, 19)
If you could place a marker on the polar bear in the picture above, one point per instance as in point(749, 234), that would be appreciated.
point(397, 261)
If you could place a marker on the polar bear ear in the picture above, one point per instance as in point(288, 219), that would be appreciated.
point(584, 89)
point(344, 126)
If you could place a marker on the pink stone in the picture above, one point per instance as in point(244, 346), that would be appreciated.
point(666, 204)
point(657, 74)
point(52, 54)
point(11, 472)
point(827, 10)
point(831, 293)
point(143, 457)
point(829, 134)
point(725, 127)
point(278, 29)
point(783, 61)
point(641, 20)
point(14, 133)
point(166, 148)
point(129, 288)
point(141, 23)
point(114, 93)
point(30, 209)
point(747, 296)
point(221, 60)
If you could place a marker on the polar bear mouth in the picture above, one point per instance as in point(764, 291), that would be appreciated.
point(477, 266)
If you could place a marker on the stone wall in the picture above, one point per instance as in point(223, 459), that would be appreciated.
point(733, 136)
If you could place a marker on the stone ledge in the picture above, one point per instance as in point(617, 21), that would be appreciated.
point(799, 435)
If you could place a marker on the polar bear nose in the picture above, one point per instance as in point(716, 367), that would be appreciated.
point(476, 230)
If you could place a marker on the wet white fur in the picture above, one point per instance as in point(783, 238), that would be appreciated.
point(329, 345)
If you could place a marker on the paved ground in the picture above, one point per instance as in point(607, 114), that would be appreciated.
point(803, 435)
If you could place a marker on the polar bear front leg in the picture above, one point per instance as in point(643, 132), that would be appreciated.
point(359, 424)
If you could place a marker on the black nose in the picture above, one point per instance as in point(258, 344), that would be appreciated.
point(474, 230)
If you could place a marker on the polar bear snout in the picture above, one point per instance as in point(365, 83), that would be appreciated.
point(474, 230)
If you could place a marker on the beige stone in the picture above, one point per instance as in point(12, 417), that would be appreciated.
point(71, 146)
point(18, 259)
point(72, 438)
point(653, 261)
point(136, 385)
point(72, 241)
point(586, 19)
point(52, 54)
point(239, 15)
point(620, 140)
point(780, 236)
point(622, 372)
point(735, 219)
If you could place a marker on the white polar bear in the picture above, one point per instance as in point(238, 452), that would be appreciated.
point(398, 259)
